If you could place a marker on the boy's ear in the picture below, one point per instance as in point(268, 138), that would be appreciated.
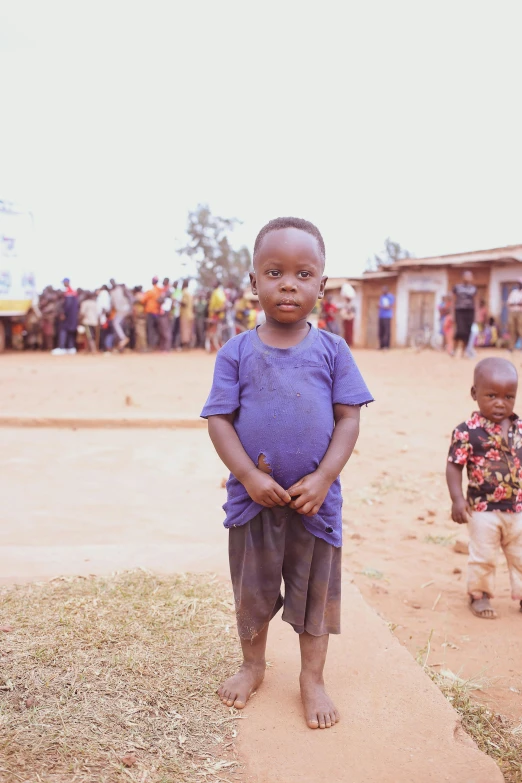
point(321, 288)
point(253, 282)
point(473, 393)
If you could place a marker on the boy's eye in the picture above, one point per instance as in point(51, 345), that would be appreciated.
point(273, 273)
point(304, 274)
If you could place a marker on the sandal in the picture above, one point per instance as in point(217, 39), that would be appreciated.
point(482, 608)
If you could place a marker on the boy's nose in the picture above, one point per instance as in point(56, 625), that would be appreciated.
point(287, 285)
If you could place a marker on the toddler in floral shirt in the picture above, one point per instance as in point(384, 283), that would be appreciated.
point(489, 444)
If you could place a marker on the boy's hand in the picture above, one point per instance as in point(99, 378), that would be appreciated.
point(460, 512)
point(309, 493)
point(264, 490)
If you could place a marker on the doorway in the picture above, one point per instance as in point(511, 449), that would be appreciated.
point(372, 322)
point(421, 311)
point(506, 290)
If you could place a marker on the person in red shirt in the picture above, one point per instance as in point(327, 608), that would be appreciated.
point(330, 312)
point(489, 445)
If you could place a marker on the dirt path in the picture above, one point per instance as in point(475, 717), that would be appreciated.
point(105, 384)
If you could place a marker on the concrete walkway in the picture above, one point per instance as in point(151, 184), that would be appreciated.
point(396, 726)
point(92, 501)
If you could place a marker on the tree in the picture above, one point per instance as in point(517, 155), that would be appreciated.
point(209, 247)
point(392, 252)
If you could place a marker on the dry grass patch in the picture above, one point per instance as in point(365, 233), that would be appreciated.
point(494, 734)
point(114, 679)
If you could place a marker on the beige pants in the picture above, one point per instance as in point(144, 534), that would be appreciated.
point(488, 531)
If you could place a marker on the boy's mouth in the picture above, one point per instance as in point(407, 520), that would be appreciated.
point(287, 304)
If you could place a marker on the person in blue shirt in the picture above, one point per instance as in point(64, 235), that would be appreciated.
point(386, 303)
point(283, 414)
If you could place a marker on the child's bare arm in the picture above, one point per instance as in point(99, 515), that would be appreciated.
point(260, 486)
point(459, 508)
point(309, 493)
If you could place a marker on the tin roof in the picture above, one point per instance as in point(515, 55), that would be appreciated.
point(379, 274)
point(508, 254)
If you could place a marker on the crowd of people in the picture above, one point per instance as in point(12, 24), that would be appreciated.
point(167, 316)
point(171, 316)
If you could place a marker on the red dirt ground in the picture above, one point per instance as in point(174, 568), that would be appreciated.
point(398, 534)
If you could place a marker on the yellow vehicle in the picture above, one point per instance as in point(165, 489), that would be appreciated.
point(17, 279)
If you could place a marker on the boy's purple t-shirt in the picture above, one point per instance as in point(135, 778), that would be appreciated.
point(284, 398)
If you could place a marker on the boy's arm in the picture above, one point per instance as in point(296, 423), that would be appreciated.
point(309, 493)
point(459, 508)
point(260, 485)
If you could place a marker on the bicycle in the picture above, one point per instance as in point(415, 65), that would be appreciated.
point(426, 338)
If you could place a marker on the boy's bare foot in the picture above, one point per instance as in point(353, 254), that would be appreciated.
point(482, 608)
point(320, 711)
point(236, 691)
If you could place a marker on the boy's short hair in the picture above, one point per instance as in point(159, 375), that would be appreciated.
point(290, 222)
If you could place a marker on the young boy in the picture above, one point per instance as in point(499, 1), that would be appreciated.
point(489, 444)
point(283, 414)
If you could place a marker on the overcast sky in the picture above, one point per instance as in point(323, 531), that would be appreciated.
point(372, 119)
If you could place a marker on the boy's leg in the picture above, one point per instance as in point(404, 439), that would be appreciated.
point(320, 711)
point(485, 536)
point(256, 552)
point(512, 546)
point(237, 690)
point(312, 572)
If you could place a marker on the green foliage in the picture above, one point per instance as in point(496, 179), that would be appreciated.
point(209, 246)
point(392, 253)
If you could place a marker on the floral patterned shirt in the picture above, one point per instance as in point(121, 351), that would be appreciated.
point(493, 466)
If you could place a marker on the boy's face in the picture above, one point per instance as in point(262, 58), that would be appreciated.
point(495, 396)
point(288, 275)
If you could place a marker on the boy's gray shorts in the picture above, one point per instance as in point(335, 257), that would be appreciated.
point(276, 546)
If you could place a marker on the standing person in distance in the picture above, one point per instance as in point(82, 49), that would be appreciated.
point(464, 304)
point(165, 317)
point(186, 316)
point(177, 295)
point(386, 303)
point(89, 319)
point(216, 314)
point(121, 306)
point(68, 320)
point(151, 303)
point(514, 305)
point(139, 317)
